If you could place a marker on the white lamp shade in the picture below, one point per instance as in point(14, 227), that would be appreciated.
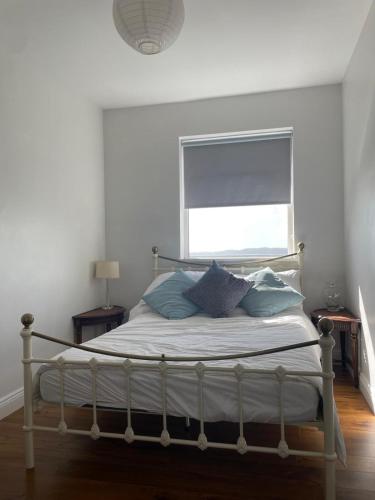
point(149, 26)
point(108, 269)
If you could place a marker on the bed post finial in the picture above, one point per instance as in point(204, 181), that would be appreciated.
point(300, 246)
point(27, 320)
point(325, 326)
point(155, 250)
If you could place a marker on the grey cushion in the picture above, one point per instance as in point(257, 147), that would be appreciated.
point(218, 292)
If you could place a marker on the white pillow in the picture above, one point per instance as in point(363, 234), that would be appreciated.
point(291, 278)
point(157, 281)
point(194, 275)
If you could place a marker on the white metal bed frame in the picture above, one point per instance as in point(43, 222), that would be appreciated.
point(169, 364)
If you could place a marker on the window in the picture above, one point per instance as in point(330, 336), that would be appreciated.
point(236, 195)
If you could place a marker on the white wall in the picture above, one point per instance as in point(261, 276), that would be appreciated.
point(142, 177)
point(51, 212)
point(359, 156)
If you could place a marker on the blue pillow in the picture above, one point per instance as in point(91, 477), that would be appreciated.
point(218, 292)
point(269, 295)
point(167, 298)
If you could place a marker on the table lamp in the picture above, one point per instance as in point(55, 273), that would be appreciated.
point(107, 269)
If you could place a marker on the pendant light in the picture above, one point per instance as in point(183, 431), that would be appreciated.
point(149, 26)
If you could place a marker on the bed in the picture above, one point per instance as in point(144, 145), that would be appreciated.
point(235, 369)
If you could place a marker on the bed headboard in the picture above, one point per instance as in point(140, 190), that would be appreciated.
point(240, 266)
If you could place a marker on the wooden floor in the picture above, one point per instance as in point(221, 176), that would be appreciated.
point(76, 467)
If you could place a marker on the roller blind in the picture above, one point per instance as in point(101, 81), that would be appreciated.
point(237, 171)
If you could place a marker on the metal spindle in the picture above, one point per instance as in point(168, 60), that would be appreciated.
point(202, 439)
point(241, 441)
point(62, 424)
point(129, 433)
point(165, 438)
point(283, 448)
point(95, 431)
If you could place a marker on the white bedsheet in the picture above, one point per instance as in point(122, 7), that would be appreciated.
point(149, 333)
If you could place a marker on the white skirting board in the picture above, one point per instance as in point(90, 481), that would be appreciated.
point(368, 391)
point(11, 402)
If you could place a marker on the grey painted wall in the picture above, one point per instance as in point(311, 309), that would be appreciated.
point(359, 156)
point(51, 211)
point(142, 177)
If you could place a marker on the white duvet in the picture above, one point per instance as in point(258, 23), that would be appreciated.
point(149, 333)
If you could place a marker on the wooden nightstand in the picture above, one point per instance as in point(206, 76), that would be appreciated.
point(345, 323)
point(98, 316)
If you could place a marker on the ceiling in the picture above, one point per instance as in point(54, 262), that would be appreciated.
point(226, 47)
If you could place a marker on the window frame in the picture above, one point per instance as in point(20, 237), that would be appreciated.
point(184, 212)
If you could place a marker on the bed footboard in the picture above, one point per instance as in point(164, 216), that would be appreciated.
point(164, 366)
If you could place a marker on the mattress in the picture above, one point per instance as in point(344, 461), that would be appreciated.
point(149, 333)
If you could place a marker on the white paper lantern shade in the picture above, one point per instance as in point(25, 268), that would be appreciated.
point(149, 26)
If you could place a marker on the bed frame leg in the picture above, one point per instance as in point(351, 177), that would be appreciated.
point(27, 320)
point(330, 480)
point(29, 450)
point(325, 327)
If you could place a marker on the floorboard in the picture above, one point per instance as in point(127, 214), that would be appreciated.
point(75, 467)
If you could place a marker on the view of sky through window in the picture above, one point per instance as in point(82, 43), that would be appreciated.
point(259, 230)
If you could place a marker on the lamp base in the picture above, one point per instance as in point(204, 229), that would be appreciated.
point(106, 308)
